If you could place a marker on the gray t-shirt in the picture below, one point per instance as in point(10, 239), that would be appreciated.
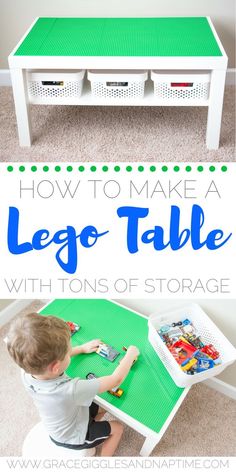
point(63, 405)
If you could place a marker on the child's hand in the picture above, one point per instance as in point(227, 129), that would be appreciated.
point(91, 346)
point(133, 351)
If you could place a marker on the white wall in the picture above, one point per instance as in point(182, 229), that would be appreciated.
point(10, 308)
point(222, 312)
point(4, 304)
point(16, 16)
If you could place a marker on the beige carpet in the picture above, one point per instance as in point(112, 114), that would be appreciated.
point(204, 425)
point(69, 133)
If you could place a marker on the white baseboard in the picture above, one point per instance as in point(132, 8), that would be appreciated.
point(222, 387)
point(231, 77)
point(5, 78)
point(11, 310)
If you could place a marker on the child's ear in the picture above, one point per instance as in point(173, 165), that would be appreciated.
point(54, 367)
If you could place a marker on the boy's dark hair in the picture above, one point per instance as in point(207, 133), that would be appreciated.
point(34, 341)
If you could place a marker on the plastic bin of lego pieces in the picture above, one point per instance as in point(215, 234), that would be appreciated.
point(187, 349)
point(55, 87)
point(190, 345)
point(117, 84)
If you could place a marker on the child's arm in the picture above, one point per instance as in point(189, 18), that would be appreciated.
point(119, 374)
point(86, 348)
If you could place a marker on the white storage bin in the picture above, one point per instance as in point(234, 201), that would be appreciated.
point(181, 86)
point(117, 84)
point(54, 87)
point(209, 334)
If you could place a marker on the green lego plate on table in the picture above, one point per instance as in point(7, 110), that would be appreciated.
point(150, 394)
point(182, 36)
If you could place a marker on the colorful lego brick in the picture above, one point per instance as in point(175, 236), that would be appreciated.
point(178, 356)
point(201, 355)
point(210, 350)
point(176, 323)
point(194, 340)
point(188, 364)
point(189, 328)
point(186, 322)
point(164, 329)
point(184, 339)
point(185, 347)
point(204, 364)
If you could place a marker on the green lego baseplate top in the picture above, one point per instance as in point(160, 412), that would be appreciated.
point(149, 392)
point(182, 36)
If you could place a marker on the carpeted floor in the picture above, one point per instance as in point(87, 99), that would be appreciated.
point(70, 133)
point(204, 425)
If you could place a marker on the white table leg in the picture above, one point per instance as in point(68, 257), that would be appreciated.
point(148, 445)
point(18, 77)
point(215, 108)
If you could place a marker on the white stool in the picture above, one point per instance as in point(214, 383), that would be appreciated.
point(38, 444)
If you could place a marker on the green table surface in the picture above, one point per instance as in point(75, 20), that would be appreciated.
point(188, 36)
point(149, 392)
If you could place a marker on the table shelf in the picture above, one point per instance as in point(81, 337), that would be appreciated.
point(87, 99)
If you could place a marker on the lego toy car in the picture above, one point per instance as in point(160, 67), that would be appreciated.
point(116, 391)
point(91, 376)
point(107, 351)
point(210, 351)
point(73, 327)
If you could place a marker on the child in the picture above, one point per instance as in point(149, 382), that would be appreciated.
point(41, 347)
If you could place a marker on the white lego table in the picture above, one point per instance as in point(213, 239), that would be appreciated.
point(171, 44)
